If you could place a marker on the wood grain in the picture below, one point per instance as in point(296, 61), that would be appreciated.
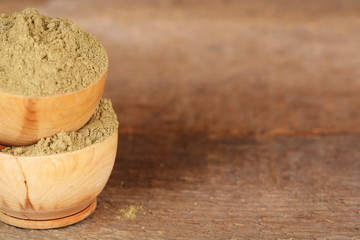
point(238, 119)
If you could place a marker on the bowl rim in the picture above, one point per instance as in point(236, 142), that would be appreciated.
point(2, 154)
point(103, 76)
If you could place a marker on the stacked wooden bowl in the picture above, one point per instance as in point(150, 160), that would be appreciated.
point(54, 190)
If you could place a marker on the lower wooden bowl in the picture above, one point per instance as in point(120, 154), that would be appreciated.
point(55, 190)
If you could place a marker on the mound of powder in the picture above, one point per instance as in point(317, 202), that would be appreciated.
point(100, 126)
point(41, 56)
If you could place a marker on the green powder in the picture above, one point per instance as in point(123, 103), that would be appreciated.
point(100, 126)
point(131, 211)
point(42, 56)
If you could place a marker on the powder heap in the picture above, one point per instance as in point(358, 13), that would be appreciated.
point(41, 56)
point(100, 126)
point(131, 211)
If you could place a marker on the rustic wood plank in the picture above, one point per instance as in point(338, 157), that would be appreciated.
point(238, 119)
point(193, 186)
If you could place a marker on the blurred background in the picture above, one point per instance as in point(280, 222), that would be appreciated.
point(239, 119)
point(235, 67)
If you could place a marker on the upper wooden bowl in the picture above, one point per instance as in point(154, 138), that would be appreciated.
point(54, 186)
point(25, 120)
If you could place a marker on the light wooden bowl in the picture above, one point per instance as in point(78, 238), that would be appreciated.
point(55, 190)
point(25, 120)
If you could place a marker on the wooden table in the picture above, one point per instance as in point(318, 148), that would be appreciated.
point(238, 119)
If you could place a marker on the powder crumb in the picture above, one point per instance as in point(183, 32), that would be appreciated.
point(41, 56)
point(130, 211)
point(101, 125)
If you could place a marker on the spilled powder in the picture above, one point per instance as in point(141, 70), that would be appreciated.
point(41, 56)
point(100, 126)
point(130, 211)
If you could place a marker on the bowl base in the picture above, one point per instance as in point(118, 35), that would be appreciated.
point(47, 224)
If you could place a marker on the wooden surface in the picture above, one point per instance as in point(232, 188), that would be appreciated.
point(238, 119)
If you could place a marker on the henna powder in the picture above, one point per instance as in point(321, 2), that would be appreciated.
point(41, 56)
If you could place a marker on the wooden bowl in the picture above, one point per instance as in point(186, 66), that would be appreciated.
point(55, 190)
point(25, 120)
